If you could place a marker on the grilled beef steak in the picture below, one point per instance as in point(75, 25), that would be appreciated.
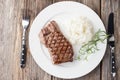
point(59, 47)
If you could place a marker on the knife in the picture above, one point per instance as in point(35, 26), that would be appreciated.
point(111, 42)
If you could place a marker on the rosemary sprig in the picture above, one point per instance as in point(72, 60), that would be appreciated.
point(91, 46)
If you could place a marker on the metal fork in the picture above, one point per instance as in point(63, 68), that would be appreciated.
point(25, 24)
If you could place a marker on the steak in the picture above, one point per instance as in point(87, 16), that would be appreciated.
point(59, 47)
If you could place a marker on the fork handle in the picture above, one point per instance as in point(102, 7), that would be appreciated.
point(23, 50)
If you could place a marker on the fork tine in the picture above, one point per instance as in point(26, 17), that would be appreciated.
point(25, 14)
point(25, 18)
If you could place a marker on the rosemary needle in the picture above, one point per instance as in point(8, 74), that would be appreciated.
point(91, 46)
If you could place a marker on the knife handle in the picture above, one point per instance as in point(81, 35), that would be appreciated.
point(23, 51)
point(112, 62)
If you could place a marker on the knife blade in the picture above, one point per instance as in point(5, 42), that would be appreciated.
point(111, 42)
point(111, 24)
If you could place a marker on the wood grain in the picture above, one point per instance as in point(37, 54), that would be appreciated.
point(108, 6)
point(11, 33)
point(10, 40)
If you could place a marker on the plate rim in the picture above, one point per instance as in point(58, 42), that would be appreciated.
point(60, 3)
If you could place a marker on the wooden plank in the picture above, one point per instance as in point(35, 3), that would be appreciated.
point(10, 40)
point(108, 6)
point(7, 38)
point(117, 37)
point(11, 31)
point(32, 68)
point(95, 74)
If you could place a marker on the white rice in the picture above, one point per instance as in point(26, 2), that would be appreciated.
point(77, 29)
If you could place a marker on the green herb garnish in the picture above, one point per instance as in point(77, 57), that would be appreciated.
point(91, 46)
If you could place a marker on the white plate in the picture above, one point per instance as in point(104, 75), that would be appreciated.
point(40, 54)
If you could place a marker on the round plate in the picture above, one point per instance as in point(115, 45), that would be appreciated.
point(41, 55)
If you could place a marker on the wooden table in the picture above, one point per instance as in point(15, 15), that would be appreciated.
point(11, 33)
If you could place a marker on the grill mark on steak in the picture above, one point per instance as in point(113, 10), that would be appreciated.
point(59, 47)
